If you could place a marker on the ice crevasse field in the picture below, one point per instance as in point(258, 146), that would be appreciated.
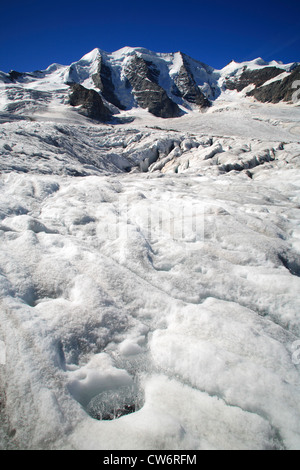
point(151, 301)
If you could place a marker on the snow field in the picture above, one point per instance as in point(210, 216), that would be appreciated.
point(104, 300)
point(149, 268)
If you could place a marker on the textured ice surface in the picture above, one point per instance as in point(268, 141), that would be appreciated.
point(156, 308)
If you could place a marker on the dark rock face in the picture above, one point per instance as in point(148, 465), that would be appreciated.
point(5, 78)
point(90, 101)
point(103, 80)
point(255, 77)
point(14, 75)
point(186, 87)
point(143, 78)
point(281, 90)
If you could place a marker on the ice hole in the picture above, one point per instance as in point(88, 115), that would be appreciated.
point(112, 404)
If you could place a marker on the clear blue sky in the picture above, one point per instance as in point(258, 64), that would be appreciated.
point(34, 33)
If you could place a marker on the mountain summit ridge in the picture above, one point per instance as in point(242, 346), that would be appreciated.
point(166, 84)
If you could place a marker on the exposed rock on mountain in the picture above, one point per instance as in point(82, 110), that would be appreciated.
point(167, 85)
point(143, 78)
point(255, 77)
point(14, 75)
point(103, 81)
point(186, 87)
point(281, 90)
point(90, 101)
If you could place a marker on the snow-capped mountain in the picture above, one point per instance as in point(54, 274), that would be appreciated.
point(149, 261)
point(168, 85)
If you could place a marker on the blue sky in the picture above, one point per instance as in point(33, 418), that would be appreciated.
point(34, 34)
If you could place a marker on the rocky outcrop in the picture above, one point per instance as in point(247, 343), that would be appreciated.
point(185, 86)
point(166, 84)
point(253, 77)
point(90, 101)
point(281, 90)
point(14, 75)
point(103, 81)
point(4, 78)
point(142, 76)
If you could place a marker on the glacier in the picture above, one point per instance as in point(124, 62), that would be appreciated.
point(149, 266)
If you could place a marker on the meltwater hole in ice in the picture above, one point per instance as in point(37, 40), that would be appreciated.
point(112, 404)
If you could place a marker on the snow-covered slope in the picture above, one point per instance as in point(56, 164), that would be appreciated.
point(168, 85)
point(149, 267)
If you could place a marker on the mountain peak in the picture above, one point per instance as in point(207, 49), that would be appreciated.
point(92, 55)
point(166, 84)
